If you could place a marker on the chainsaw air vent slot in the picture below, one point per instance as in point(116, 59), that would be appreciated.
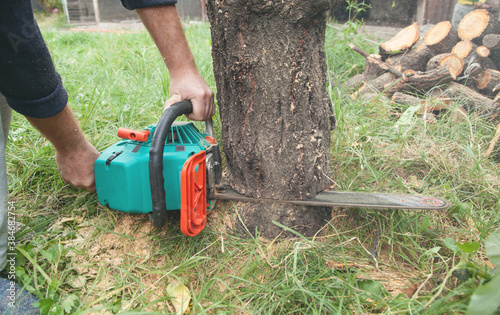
point(183, 134)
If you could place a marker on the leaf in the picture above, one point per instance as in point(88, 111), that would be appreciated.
point(373, 287)
point(468, 247)
point(486, 298)
point(451, 245)
point(407, 117)
point(69, 303)
point(492, 244)
point(180, 296)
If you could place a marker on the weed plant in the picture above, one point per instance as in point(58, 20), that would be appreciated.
point(82, 258)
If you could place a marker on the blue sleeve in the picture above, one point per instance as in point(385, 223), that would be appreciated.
point(139, 4)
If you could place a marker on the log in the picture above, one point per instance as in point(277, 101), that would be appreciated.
point(472, 100)
point(488, 81)
point(426, 105)
point(441, 38)
point(372, 70)
point(414, 59)
point(463, 48)
point(483, 51)
point(382, 64)
point(377, 85)
point(401, 42)
point(454, 64)
point(480, 56)
point(354, 83)
point(493, 143)
point(373, 66)
point(421, 82)
point(477, 24)
point(492, 42)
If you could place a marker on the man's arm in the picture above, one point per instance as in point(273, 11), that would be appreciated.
point(75, 156)
point(165, 27)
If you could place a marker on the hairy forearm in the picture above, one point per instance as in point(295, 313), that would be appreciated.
point(75, 156)
point(165, 27)
point(186, 83)
point(62, 130)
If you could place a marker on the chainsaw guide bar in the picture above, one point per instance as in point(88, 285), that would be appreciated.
point(331, 198)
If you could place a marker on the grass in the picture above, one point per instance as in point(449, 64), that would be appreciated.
point(86, 259)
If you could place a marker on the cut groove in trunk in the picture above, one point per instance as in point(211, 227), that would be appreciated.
point(401, 42)
point(441, 38)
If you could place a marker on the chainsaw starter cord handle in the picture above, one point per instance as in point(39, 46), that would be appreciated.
point(156, 180)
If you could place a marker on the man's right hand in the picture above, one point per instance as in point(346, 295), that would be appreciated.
point(195, 89)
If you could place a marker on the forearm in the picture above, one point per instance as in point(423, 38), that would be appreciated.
point(75, 156)
point(165, 27)
point(62, 130)
point(186, 83)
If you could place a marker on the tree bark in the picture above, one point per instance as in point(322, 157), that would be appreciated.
point(472, 100)
point(414, 59)
point(441, 38)
point(270, 72)
point(487, 82)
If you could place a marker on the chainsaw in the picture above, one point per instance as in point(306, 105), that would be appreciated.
point(174, 166)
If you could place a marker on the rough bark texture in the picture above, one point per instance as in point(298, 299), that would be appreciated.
point(270, 71)
point(441, 38)
point(487, 82)
point(422, 81)
point(414, 59)
point(454, 63)
point(472, 100)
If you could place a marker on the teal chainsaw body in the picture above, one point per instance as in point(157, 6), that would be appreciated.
point(187, 162)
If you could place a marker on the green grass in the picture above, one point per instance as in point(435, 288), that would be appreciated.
point(86, 259)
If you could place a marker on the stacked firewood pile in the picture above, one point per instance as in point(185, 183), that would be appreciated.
point(444, 67)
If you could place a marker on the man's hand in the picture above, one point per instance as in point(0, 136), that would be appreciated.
point(75, 156)
point(195, 89)
point(479, 4)
point(77, 166)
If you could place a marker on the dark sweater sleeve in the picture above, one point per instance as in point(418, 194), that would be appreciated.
point(139, 4)
point(28, 79)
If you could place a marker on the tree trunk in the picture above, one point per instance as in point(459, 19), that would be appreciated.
point(270, 71)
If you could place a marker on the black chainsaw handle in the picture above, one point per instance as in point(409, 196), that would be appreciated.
point(156, 180)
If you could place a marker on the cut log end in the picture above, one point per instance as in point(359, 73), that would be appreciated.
point(483, 51)
point(402, 41)
point(437, 33)
point(473, 24)
point(462, 49)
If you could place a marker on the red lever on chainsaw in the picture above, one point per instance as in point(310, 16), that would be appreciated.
point(194, 194)
point(125, 133)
